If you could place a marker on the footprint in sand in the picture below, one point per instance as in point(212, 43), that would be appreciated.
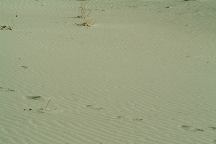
point(7, 89)
point(212, 128)
point(190, 128)
point(138, 119)
point(24, 67)
point(186, 127)
point(118, 117)
point(10, 90)
point(30, 109)
point(94, 107)
point(36, 97)
point(198, 130)
point(45, 108)
point(5, 27)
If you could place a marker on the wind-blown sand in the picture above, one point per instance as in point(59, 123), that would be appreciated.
point(143, 73)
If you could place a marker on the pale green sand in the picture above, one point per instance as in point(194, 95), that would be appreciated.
point(110, 72)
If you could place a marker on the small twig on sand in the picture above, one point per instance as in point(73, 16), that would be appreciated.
point(42, 110)
point(47, 104)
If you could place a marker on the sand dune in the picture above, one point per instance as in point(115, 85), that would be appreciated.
point(121, 72)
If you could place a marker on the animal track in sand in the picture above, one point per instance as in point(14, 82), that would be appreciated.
point(198, 130)
point(41, 109)
point(34, 97)
point(186, 127)
point(138, 119)
point(24, 67)
point(212, 128)
point(10, 90)
point(5, 27)
point(94, 107)
point(29, 109)
point(119, 117)
point(189, 0)
point(6, 89)
point(190, 128)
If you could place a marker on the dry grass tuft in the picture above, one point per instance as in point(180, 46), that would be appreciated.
point(85, 16)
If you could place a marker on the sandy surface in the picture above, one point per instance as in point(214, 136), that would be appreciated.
point(142, 73)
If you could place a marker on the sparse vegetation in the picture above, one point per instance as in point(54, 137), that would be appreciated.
point(86, 20)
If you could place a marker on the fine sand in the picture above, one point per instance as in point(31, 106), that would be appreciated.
point(108, 72)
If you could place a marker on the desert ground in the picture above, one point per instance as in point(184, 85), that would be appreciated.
point(107, 72)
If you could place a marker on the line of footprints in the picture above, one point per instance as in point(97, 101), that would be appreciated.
point(6, 89)
point(194, 129)
point(188, 128)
